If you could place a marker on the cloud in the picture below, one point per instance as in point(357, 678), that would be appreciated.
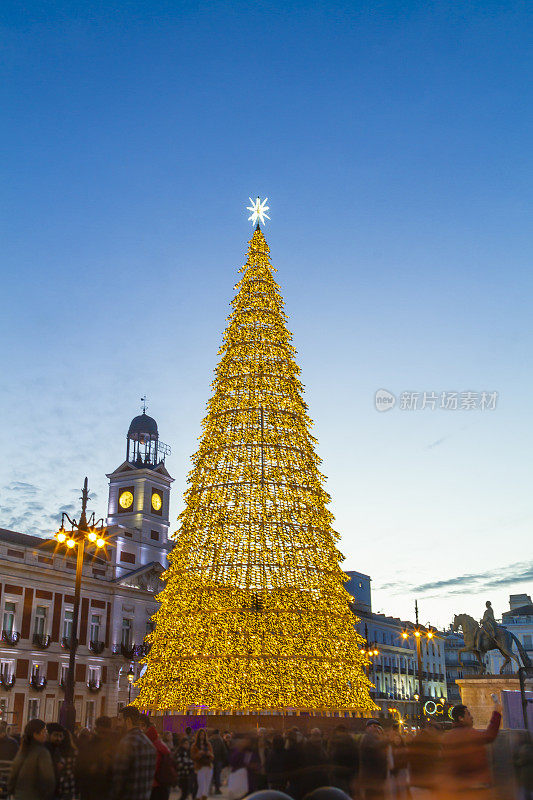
point(20, 487)
point(499, 577)
point(435, 444)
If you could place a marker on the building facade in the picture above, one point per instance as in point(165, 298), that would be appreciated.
point(394, 670)
point(469, 665)
point(118, 597)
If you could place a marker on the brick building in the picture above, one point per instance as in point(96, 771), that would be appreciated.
point(117, 596)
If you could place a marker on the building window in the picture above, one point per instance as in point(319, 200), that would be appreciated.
point(37, 670)
point(64, 673)
point(93, 675)
point(89, 714)
point(96, 621)
point(10, 610)
point(154, 535)
point(3, 709)
point(67, 624)
point(39, 622)
point(6, 669)
point(33, 708)
point(126, 632)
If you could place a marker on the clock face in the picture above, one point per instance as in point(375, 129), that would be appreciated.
point(125, 499)
point(156, 501)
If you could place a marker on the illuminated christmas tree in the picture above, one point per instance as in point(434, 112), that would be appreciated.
point(254, 614)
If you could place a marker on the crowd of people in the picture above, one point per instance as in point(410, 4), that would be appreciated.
point(127, 759)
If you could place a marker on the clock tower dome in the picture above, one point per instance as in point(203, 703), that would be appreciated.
point(139, 498)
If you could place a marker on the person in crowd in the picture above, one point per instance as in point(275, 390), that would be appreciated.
point(424, 758)
point(523, 764)
point(84, 737)
point(184, 768)
point(190, 736)
point(94, 766)
point(294, 762)
point(343, 758)
point(220, 758)
point(373, 768)
point(135, 760)
point(276, 772)
point(8, 750)
point(399, 773)
point(228, 740)
point(167, 737)
point(244, 766)
point(32, 775)
point(165, 774)
point(465, 764)
point(315, 772)
point(8, 745)
point(63, 754)
point(202, 756)
point(263, 749)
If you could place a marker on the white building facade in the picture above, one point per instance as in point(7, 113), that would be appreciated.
point(394, 670)
point(118, 597)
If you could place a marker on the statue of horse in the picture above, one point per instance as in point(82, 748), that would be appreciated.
point(479, 642)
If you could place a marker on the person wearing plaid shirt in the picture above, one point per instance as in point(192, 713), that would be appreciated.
point(135, 760)
point(185, 768)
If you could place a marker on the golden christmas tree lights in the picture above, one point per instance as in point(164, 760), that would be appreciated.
point(254, 615)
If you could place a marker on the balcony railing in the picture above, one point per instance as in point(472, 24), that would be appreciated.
point(37, 682)
point(41, 640)
point(7, 681)
point(11, 637)
point(94, 686)
point(97, 647)
point(131, 652)
point(67, 641)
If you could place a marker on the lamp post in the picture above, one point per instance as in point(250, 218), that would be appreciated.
point(91, 531)
point(418, 636)
point(130, 682)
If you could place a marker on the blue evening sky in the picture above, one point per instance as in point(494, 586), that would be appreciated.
point(393, 140)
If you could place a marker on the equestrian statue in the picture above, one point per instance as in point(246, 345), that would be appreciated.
point(488, 635)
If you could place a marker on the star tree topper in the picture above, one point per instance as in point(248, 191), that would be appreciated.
point(258, 209)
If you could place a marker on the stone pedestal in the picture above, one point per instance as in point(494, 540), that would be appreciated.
point(476, 694)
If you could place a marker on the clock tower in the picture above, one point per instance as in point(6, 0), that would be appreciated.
point(139, 499)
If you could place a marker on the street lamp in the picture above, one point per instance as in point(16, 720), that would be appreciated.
point(370, 650)
point(418, 635)
point(130, 682)
point(92, 531)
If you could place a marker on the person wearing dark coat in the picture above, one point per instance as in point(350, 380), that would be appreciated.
point(32, 775)
point(344, 759)
point(8, 746)
point(374, 765)
point(276, 772)
point(94, 766)
point(315, 772)
point(63, 755)
point(220, 758)
point(294, 763)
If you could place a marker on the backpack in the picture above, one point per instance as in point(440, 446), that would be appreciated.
point(166, 774)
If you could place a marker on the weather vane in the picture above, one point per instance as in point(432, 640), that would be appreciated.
point(258, 209)
point(143, 401)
